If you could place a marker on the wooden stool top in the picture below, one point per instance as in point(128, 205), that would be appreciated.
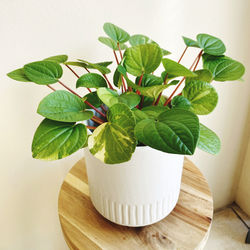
point(187, 226)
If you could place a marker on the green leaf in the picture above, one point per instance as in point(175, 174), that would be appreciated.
point(139, 39)
point(142, 59)
point(93, 99)
point(63, 106)
point(111, 43)
point(116, 33)
point(176, 69)
point(91, 80)
point(165, 52)
point(57, 59)
point(202, 95)
point(180, 102)
point(43, 72)
point(173, 83)
point(211, 45)
point(203, 75)
point(55, 140)
point(130, 98)
point(117, 79)
point(173, 131)
point(110, 97)
point(121, 115)
point(154, 111)
point(97, 66)
point(223, 68)
point(190, 42)
point(148, 101)
point(208, 140)
point(149, 80)
point(18, 75)
point(111, 144)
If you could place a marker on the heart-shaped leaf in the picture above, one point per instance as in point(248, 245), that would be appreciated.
point(211, 45)
point(142, 59)
point(173, 131)
point(223, 68)
point(180, 102)
point(121, 115)
point(190, 42)
point(203, 75)
point(176, 69)
point(111, 43)
point(208, 140)
point(55, 140)
point(91, 80)
point(18, 75)
point(149, 80)
point(93, 99)
point(117, 34)
point(63, 106)
point(43, 72)
point(202, 95)
point(57, 59)
point(110, 97)
point(111, 144)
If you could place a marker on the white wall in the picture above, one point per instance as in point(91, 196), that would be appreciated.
point(32, 30)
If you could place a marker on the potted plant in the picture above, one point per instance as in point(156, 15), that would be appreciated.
point(134, 136)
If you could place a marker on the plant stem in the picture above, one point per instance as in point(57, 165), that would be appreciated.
point(142, 101)
point(103, 109)
point(51, 87)
point(170, 97)
point(159, 97)
point(108, 81)
point(116, 58)
point(197, 59)
point(86, 69)
point(139, 84)
point(69, 89)
point(97, 110)
point(90, 127)
point(183, 54)
point(118, 45)
point(97, 120)
point(76, 74)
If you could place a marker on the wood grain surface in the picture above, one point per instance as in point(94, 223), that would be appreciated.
point(187, 227)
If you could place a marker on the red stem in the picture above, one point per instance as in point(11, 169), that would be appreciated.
point(159, 97)
point(51, 87)
point(108, 81)
point(116, 58)
point(90, 127)
point(183, 54)
point(97, 120)
point(118, 45)
point(139, 84)
point(142, 101)
point(69, 89)
point(197, 59)
point(97, 110)
point(103, 109)
point(76, 74)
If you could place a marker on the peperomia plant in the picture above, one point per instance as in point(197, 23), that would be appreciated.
point(133, 110)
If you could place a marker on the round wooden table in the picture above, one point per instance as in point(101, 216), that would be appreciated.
point(187, 227)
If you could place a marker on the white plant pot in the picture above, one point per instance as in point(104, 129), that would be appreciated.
point(136, 193)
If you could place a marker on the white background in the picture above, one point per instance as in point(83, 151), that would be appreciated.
point(33, 30)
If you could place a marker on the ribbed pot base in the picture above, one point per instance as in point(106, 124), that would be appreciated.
point(134, 215)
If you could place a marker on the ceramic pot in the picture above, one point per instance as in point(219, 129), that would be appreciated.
point(136, 193)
